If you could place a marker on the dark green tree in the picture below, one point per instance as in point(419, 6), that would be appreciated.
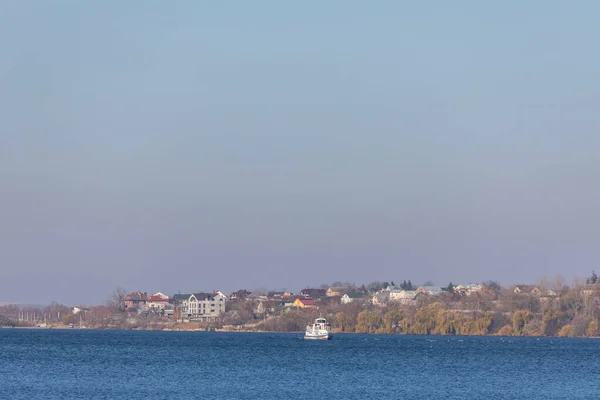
point(592, 279)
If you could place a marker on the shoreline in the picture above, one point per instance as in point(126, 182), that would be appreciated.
point(283, 332)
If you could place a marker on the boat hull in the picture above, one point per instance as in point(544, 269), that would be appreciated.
point(318, 337)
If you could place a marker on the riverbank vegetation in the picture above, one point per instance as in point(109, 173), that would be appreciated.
point(549, 309)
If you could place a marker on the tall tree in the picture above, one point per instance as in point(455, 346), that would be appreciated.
point(493, 286)
point(592, 279)
point(117, 300)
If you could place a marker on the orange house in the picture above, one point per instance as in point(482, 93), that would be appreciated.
point(304, 303)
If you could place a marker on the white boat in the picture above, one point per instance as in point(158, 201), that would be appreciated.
point(318, 330)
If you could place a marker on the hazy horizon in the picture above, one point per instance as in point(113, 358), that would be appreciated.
point(194, 146)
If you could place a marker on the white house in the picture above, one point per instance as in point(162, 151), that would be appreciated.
point(381, 297)
point(204, 306)
point(405, 297)
point(157, 302)
point(348, 298)
point(468, 289)
point(430, 290)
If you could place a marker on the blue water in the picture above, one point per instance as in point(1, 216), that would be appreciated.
point(72, 364)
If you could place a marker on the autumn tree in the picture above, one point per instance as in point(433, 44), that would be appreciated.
point(368, 322)
point(520, 319)
point(392, 319)
point(592, 330)
point(552, 322)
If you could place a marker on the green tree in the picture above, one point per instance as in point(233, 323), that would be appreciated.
point(407, 285)
point(592, 278)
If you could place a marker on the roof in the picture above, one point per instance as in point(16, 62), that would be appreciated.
point(136, 296)
point(405, 294)
point(468, 286)
point(431, 289)
point(156, 298)
point(181, 296)
point(203, 296)
point(355, 295)
point(526, 288)
point(314, 292)
point(307, 302)
point(342, 289)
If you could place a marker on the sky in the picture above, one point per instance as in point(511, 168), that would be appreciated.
point(194, 146)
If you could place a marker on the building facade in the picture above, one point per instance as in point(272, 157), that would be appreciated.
point(204, 307)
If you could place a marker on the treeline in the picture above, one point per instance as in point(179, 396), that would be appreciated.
point(554, 310)
point(434, 319)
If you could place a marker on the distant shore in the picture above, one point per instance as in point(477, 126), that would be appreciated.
point(66, 328)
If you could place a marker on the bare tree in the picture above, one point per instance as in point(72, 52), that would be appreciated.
point(117, 300)
point(559, 284)
point(493, 286)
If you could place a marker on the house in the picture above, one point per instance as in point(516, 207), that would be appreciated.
point(381, 297)
point(314, 293)
point(468, 289)
point(203, 307)
point(257, 297)
point(263, 307)
point(157, 302)
point(260, 310)
point(549, 296)
point(135, 300)
point(348, 298)
point(279, 295)
point(430, 290)
point(529, 290)
point(340, 291)
point(404, 297)
point(304, 303)
point(239, 295)
point(77, 310)
point(179, 298)
point(589, 289)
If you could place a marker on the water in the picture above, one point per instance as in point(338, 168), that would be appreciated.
point(73, 364)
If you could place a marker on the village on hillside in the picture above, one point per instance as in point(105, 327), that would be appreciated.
point(546, 309)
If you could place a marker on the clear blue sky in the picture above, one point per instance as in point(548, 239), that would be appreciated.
point(197, 145)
